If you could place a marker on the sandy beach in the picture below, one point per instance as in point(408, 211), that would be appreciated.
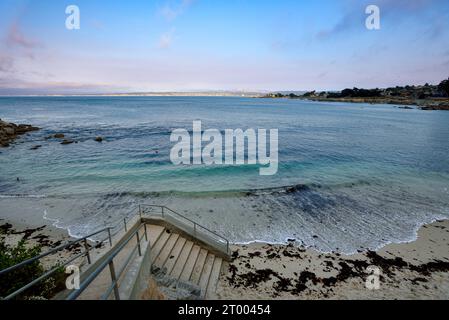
point(416, 270)
point(45, 236)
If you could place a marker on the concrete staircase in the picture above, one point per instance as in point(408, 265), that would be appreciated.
point(184, 260)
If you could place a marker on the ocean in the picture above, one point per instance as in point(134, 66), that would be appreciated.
point(350, 177)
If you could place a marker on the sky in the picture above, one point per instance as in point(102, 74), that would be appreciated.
point(198, 45)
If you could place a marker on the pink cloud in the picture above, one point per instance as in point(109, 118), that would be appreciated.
point(15, 37)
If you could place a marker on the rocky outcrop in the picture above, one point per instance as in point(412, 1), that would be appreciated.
point(436, 107)
point(10, 131)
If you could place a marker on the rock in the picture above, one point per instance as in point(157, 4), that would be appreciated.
point(10, 131)
point(67, 141)
point(24, 128)
point(58, 136)
point(99, 139)
point(435, 107)
point(36, 147)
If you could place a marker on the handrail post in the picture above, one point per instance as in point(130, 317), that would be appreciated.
point(145, 228)
point(110, 237)
point(162, 212)
point(86, 246)
point(138, 243)
point(126, 227)
point(114, 280)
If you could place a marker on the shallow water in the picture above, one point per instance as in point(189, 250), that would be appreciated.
point(365, 175)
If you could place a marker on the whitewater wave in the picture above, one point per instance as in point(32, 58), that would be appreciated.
point(276, 190)
point(8, 196)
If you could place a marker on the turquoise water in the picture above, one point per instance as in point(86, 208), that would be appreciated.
point(365, 175)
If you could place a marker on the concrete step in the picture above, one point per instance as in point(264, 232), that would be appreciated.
point(103, 281)
point(174, 255)
point(182, 259)
point(205, 274)
point(154, 232)
point(159, 245)
point(214, 277)
point(198, 268)
point(190, 263)
point(166, 250)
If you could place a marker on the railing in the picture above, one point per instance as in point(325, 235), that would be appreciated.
point(191, 227)
point(85, 253)
point(109, 261)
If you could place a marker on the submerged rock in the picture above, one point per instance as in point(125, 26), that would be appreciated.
point(99, 139)
point(67, 141)
point(59, 136)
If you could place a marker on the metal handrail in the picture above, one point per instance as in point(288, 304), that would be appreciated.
point(61, 247)
point(42, 277)
point(198, 225)
point(110, 262)
point(195, 225)
point(50, 272)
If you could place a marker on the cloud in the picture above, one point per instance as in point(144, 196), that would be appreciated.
point(15, 37)
point(348, 21)
point(395, 10)
point(166, 39)
point(6, 64)
point(16, 86)
point(171, 12)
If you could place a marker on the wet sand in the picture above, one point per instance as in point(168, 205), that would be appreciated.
point(415, 270)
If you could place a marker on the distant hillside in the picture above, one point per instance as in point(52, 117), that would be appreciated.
point(427, 97)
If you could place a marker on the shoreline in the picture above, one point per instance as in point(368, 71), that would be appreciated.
point(423, 104)
point(417, 269)
point(288, 241)
point(412, 270)
point(35, 212)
